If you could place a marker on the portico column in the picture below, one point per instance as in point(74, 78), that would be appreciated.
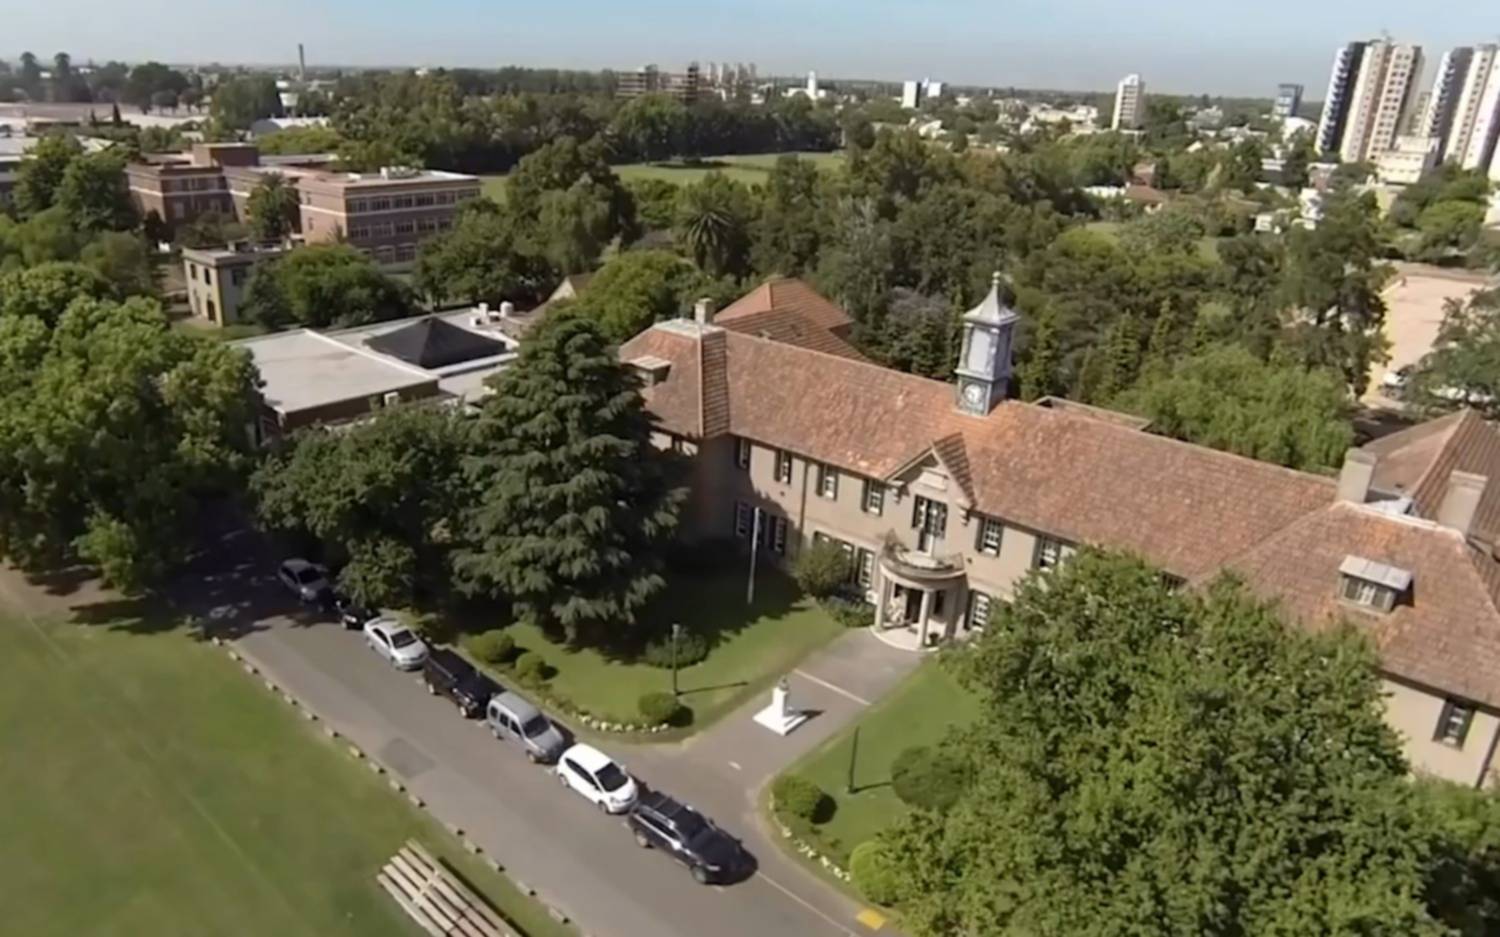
point(881, 585)
point(923, 618)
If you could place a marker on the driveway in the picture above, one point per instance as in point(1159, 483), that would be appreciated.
point(578, 858)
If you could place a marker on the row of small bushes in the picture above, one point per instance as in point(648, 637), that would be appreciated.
point(499, 649)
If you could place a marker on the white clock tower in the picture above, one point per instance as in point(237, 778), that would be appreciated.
point(984, 363)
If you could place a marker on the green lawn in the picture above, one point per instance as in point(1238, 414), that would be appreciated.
point(918, 712)
point(151, 787)
point(749, 169)
point(755, 647)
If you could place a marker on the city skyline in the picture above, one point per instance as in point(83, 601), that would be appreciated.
point(1247, 53)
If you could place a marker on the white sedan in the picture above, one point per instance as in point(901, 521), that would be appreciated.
point(595, 775)
point(396, 643)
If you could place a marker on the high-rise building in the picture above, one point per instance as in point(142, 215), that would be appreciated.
point(684, 86)
point(812, 85)
point(932, 89)
point(1383, 94)
point(1346, 63)
point(1130, 103)
point(1437, 120)
point(911, 95)
point(1288, 99)
point(1471, 140)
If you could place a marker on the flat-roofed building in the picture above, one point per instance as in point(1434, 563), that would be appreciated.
point(180, 187)
point(385, 214)
point(216, 278)
point(311, 377)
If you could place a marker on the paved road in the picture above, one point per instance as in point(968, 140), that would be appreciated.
point(578, 858)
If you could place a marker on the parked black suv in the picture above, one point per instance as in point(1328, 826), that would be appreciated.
point(711, 854)
point(448, 674)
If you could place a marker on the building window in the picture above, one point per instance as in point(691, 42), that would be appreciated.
point(1453, 723)
point(1051, 552)
point(742, 449)
point(864, 571)
point(237, 276)
point(193, 271)
point(828, 482)
point(778, 535)
point(930, 518)
point(988, 541)
point(783, 466)
point(1367, 594)
point(979, 611)
point(744, 520)
point(874, 500)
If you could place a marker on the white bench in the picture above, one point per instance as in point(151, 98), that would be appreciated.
point(436, 899)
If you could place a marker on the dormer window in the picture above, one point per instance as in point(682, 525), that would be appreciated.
point(1371, 585)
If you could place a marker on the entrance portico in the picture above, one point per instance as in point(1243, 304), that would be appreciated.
point(918, 596)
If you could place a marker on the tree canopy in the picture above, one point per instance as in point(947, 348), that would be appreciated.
point(1155, 761)
point(1226, 398)
point(574, 506)
point(1463, 367)
point(321, 285)
point(273, 208)
point(383, 496)
point(113, 427)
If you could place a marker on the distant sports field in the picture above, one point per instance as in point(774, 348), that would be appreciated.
point(748, 169)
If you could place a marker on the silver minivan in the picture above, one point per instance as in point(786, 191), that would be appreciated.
point(512, 719)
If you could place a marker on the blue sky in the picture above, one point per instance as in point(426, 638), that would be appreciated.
point(1246, 46)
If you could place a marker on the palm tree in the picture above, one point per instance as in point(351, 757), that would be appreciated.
point(713, 219)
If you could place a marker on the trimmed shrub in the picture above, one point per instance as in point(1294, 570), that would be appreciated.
point(530, 667)
point(691, 648)
point(660, 708)
point(821, 569)
point(851, 613)
point(802, 798)
point(922, 777)
point(492, 647)
point(875, 875)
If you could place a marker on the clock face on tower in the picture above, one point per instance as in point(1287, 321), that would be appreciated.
point(974, 395)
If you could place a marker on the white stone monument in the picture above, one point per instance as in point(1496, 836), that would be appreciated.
point(781, 717)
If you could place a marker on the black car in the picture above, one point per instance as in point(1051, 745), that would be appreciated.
point(711, 854)
point(447, 674)
point(350, 613)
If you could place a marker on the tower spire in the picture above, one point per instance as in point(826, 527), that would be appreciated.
point(985, 361)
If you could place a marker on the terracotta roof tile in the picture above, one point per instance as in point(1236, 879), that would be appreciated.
point(1445, 636)
point(1418, 461)
point(787, 295)
point(792, 328)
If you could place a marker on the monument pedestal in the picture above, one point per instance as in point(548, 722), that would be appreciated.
point(780, 717)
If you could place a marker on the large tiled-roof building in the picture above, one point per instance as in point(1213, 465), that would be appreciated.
point(946, 495)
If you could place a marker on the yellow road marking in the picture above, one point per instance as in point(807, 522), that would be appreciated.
point(871, 918)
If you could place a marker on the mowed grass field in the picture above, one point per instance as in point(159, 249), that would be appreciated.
point(151, 787)
point(750, 169)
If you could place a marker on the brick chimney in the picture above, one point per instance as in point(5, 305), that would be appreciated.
point(1354, 478)
point(1461, 501)
point(703, 311)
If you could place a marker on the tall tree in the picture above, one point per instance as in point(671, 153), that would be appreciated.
point(637, 288)
point(95, 193)
point(1463, 367)
point(788, 231)
point(483, 258)
point(384, 495)
point(1227, 398)
point(575, 505)
point(713, 224)
point(273, 208)
point(116, 425)
point(239, 102)
point(41, 174)
point(1154, 761)
point(320, 285)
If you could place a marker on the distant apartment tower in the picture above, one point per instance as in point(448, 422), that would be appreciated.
point(911, 95)
point(1471, 140)
point(648, 79)
point(1380, 100)
point(1346, 62)
point(1288, 100)
point(1442, 101)
point(1130, 103)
